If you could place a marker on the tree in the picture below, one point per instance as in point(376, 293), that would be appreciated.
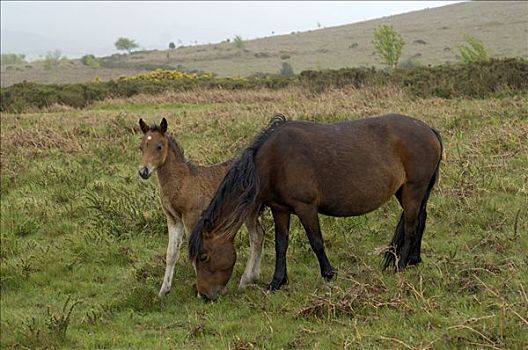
point(13, 58)
point(473, 51)
point(125, 44)
point(172, 46)
point(388, 44)
point(53, 58)
point(239, 43)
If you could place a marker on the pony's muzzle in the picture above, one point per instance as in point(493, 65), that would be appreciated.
point(144, 172)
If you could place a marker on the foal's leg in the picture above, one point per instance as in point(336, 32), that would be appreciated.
point(256, 240)
point(310, 221)
point(175, 228)
point(282, 227)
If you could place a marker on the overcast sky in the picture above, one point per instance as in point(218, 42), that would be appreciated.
point(78, 28)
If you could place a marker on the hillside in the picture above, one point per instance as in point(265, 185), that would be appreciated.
point(431, 37)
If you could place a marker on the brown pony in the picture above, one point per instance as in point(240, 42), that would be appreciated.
point(304, 168)
point(185, 191)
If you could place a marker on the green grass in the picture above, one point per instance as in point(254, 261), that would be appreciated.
point(80, 232)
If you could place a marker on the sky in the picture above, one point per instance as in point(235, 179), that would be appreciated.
point(91, 27)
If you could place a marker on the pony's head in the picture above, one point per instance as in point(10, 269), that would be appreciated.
point(154, 148)
point(213, 257)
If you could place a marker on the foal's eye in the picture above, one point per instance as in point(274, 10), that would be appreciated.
point(159, 146)
point(203, 258)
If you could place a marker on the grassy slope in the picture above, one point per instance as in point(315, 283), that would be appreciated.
point(502, 26)
point(76, 222)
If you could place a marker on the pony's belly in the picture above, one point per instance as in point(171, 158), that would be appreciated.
point(344, 209)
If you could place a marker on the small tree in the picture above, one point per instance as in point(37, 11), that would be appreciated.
point(388, 44)
point(53, 58)
point(172, 46)
point(473, 51)
point(239, 43)
point(286, 70)
point(125, 44)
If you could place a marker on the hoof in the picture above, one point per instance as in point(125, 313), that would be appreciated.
point(328, 275)
point(246, 281)
point(401, 266)
point(163, 292)
point(414, 260)
point(276, 284)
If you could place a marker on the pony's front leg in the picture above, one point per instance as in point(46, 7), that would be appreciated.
point(282, 227)
point(173, 252)
point(256, 240)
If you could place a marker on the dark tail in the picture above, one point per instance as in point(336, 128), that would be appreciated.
point(397, 240)
point(236, 195)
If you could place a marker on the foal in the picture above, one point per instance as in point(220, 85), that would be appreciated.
point(185, 191)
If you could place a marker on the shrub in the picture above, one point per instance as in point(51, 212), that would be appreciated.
point(410, 63)
point(477, 79)
point(473, 51)
point(286, 70)
point(52, 59)
point(90, 61)
point(239, 43)
point(13, 58)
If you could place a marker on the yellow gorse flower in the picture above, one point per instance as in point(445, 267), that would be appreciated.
point(162, 75)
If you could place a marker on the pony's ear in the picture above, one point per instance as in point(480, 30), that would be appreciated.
point(144, 127)
point(163, 126)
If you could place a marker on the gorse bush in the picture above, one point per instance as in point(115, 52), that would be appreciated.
point(476, 79)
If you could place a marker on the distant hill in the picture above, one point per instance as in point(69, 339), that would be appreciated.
point(431, 37)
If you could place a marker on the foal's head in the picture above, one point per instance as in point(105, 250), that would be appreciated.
point(154, 148)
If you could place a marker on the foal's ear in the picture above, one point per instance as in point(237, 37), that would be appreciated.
point(144, 127)
point(163, 125)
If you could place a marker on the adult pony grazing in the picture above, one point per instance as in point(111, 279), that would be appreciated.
point(305, 168)
point(185, 191)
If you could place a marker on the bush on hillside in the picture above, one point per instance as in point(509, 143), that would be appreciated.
point(478, 79)
point(90, 61)
point(13, 58)
point(286, 70)
point(473, 51)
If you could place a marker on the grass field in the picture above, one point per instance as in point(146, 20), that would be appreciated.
point(83, 240)
point(431, 37)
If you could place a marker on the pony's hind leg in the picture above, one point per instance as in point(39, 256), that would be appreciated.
point(282, 227)
point(310, 221)
point(175, 229)
point(256, 242)
point(414, 257)
point(412, 197)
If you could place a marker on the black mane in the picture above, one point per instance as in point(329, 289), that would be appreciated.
point(239, 188)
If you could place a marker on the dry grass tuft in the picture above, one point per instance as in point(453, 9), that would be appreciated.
point(351, 302)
